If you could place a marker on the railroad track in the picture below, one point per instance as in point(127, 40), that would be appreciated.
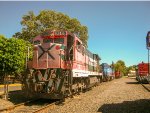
point(146, 86)
point(43, 109)
point(15, 106)
point(33, 106)
point(36, 106)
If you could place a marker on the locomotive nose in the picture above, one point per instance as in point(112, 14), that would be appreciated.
point(48, 56)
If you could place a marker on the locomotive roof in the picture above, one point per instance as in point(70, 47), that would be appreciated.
point(51, 33)
point(97, 56)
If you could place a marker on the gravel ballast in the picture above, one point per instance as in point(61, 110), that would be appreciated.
point(122, 95)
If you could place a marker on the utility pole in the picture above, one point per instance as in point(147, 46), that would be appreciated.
point(27, 56)
point(148, 62)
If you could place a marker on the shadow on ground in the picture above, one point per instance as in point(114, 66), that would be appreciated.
point(15, 97)
point(132, 82)
point(138, 106)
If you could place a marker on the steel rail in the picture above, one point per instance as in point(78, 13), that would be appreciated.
point(15, 106)
point(144, 86)
point(45, 107)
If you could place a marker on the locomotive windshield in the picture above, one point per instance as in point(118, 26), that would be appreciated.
point(53, 40)
point(59, 40)
point(48, 40)
point(36, 42)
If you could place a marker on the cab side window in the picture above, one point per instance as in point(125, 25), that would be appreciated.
point(79, 46)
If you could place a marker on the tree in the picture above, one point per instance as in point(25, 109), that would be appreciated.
point(12, 58)
point(12, 54)
point(47, 19)
point(120, 66)
point(2, 52)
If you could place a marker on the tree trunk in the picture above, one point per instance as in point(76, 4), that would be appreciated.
point(5, 86)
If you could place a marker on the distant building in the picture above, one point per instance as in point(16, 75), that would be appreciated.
point(132, 73)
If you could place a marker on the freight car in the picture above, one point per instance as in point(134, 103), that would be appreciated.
point(61, 66)
point(108, 72)
point(142, 72)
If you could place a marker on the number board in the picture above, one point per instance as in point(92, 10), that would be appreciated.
point(54, 34)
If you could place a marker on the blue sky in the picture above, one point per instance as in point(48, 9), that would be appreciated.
point(117, 29)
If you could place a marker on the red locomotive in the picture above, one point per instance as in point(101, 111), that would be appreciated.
point(142, 72)
point(61, 66)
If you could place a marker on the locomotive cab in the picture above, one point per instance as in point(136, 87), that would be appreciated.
point(52, 49)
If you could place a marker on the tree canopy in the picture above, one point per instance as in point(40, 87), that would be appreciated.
point(12, 54)
point(34, 25)
point(120, 66)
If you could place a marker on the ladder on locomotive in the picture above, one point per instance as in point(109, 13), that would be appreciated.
point(68, 82)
